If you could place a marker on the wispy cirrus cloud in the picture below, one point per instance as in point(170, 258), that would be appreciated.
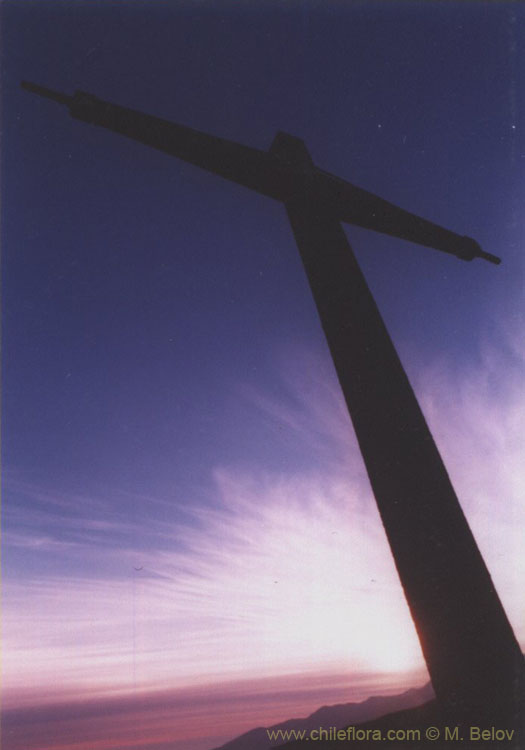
point(283, 572)
point(477, 415)
point(284, 575)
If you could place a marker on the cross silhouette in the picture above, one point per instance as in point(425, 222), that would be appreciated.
point(473, 657)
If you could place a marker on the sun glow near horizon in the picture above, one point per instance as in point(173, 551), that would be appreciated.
point(282, 573)
point(299, 577)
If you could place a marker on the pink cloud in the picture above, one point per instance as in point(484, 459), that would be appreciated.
point(196, 718)
point(285, 573)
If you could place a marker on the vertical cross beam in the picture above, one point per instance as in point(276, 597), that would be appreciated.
point(470, 649)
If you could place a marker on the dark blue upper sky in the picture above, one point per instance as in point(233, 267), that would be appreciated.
point(141, 295)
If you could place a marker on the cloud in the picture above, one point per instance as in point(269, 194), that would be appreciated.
point(477, 415)
point(189, 719)
point(281, 572)
point(288, 573)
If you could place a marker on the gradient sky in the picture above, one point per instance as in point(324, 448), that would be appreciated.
point(185, 511)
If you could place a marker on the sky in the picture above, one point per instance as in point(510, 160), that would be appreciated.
point(190, 546)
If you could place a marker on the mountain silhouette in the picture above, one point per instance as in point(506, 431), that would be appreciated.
point(422, 718)
point(339, 715)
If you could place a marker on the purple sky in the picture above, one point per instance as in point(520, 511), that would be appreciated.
point(185, 510)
